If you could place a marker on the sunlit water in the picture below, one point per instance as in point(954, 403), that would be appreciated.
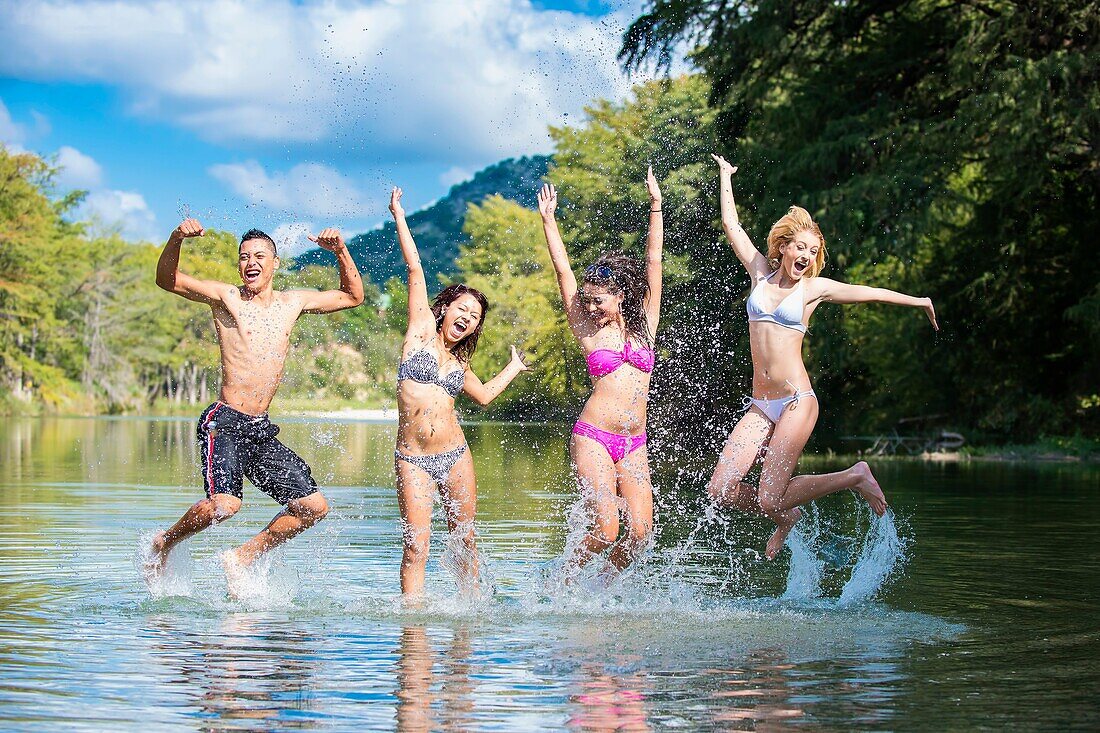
point(974, 605)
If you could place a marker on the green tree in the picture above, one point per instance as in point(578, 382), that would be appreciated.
point(507, 260)
point(947, 148)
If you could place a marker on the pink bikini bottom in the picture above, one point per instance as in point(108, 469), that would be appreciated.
point(617, 445)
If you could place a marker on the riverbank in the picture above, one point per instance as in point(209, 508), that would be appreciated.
point(1056, 449)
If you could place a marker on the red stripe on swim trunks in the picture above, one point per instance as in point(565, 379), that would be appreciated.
point(210, 449)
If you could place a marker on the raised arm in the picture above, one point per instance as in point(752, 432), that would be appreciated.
point(833, 291)
point(350, 293)
point(755, 262)
point(171, 279)
point(653, 249)
point(567, 281)
point(485, 393)
point(420, 310)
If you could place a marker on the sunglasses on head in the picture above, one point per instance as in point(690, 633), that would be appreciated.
point(603, 272)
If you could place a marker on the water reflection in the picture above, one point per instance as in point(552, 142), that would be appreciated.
point(240, 674)
point(609, 702)
point(761, 691)
point(1006, 641)
point(431, 699)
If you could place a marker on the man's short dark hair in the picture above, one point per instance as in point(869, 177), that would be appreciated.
point(258, 234)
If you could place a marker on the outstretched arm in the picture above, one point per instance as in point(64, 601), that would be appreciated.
point(833, 291)
point(755, 262)
point(420, 311)
point(653, 250)
point(350, 293)
point(171, 279)
point(567, 281)
point(485, 393)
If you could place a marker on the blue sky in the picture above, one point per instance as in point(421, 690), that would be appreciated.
point(292, 115)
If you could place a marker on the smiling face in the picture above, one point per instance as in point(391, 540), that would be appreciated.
point(460, 319)
point(256, 264)
point(602, 305)
point(799, 254)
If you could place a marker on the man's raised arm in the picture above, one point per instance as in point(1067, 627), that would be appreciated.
point(171, 279)
point(350, 293)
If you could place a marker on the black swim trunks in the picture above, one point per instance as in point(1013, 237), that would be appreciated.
point(233, 445)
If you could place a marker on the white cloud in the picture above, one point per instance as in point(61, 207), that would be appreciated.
point(77, 170)
point(290, 238)
point(12, 133)
point(455, 174)
point(123, 211)
point(462, 82)
point(309, 189)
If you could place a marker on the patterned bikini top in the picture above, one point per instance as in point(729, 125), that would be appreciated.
point(423, 366)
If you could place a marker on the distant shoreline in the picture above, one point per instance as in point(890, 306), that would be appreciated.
point(387, 415)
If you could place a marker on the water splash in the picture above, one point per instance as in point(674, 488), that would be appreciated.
point(175, 578)
point(807, 569)
point(883, 552)
point(267, 583)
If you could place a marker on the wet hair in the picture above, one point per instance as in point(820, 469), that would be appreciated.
point(621, 273)
point(794, 221)
point(464, 349)
point(257, 234)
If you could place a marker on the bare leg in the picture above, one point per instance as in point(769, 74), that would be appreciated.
point(785, 448)
point(198, 517)
point(460, 502)
point(636, 490)
point(298, 516)
point(596, 480)
point(415, 496)
point(738, 455)
point(803, 489)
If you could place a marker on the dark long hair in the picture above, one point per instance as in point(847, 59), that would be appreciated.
point(464, 349)
point(627, 275)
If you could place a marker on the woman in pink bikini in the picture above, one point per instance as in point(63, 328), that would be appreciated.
point(783, 409)
point(614, 318)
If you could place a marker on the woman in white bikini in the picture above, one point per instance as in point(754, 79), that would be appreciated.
point(783, 408)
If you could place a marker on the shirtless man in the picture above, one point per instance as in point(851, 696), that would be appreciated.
point(236, 438)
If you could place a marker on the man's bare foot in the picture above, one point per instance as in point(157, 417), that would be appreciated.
point(152, 566)
point(236, 574)
point(783, 527)
point(869, 489)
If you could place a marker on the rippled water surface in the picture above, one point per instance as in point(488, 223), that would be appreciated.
point(975, 606)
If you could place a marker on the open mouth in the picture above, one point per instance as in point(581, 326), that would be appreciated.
point(251, 274)
point(800, 266)
point(460, 328)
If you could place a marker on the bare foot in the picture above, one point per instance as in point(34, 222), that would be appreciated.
point(869, 489)
point(235, 574)
point(152, 567)
point(783, 527)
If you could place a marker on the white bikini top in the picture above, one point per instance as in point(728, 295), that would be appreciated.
point(788, 313)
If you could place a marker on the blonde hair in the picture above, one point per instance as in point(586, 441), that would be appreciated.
point(794, 221)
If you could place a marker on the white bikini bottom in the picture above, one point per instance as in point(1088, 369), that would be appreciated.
point(773, 409)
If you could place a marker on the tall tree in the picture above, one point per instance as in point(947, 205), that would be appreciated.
point(947, 147)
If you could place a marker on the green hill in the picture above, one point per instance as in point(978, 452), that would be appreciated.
point(438, 228)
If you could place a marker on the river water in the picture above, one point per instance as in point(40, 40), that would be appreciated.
point(974, 605)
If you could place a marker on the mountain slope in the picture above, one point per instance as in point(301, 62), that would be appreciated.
point(438, 228)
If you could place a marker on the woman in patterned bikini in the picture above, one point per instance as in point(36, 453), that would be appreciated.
point(431, 453)
point(782, 410)
point(614, 317)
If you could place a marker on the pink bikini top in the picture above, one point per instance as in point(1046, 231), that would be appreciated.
point(605, 361)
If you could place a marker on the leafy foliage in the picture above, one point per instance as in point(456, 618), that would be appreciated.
point(948, 149)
